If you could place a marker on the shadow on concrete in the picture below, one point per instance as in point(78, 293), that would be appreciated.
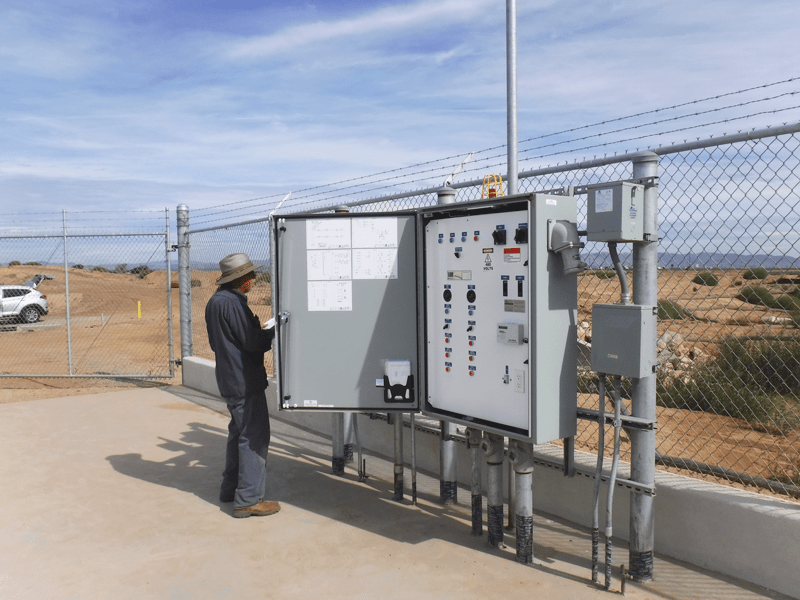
point(196, 467)
point(301, 477)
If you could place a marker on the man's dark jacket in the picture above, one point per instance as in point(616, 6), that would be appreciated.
point(239, 344)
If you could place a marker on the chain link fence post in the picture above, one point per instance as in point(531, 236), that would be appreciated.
point(643, 392)
point(184, 280)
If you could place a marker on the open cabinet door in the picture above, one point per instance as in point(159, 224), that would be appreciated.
point(345, 299)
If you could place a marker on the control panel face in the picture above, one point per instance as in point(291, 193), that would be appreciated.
point(477, 307)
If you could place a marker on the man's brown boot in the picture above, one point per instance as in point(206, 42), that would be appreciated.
point(262, 509)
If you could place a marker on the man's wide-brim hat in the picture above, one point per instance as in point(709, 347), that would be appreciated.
point(234, 266)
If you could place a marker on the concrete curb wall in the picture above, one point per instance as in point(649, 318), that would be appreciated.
point(735, 532)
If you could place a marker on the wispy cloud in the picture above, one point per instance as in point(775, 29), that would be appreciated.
point(375, 24)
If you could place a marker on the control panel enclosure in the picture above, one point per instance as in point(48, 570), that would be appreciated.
point(458, 311)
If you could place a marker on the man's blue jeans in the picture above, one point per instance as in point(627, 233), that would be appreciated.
point(246, 453)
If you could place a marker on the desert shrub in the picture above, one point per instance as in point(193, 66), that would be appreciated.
point(757, 273)
point(33, 263)
point(605, 274)
point(669, 310)
point(753, 380)
point(262, 278)
point(196, 283)
point(121, 268)
point(795, 316)
point(795, 292)
point(706, 278)
point(788, 302)
point(78, 266)
point(756, 295)
point(100, 269)
point(14, 263)
point(141, 271)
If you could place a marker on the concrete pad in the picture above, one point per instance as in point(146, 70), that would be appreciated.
point(115, 496)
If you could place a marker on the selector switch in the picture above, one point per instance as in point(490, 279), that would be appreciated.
point(471, 296)
point(521, 235)
point(448, 295)
point(499, 237)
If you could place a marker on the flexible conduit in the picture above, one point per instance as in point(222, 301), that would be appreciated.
point(625, 296)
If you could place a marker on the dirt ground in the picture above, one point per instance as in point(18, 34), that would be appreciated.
point(109, 335)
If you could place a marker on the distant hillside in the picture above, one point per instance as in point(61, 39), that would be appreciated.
point(710, 260)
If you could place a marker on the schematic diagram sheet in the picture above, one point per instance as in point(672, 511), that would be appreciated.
point(339, 251)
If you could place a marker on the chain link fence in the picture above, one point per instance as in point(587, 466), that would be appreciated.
point(86, 306)
point(729, 300)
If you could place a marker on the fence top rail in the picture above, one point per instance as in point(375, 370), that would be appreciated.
point(61, 236)
point(754, 134)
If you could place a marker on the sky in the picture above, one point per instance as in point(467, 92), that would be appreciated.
point(145, 104)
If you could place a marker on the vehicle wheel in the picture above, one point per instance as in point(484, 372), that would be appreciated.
point(29, 315)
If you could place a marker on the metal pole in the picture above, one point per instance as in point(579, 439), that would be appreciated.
point(474, 445)
point(66, 294)
point(337, 443)
point(448, 484)
point(170, 334)
point(184, 280)
point(492, 446)
point(511, 93)
point(448, 461)
point(346, 441)
point(398, 457)
point(347, 419)
point(520, 456)
point(510, 523)
point(643, 392)
point(413, 459)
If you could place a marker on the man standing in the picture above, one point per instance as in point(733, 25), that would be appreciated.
point(239, 343)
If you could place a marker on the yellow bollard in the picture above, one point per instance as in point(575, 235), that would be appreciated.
point(139, 310)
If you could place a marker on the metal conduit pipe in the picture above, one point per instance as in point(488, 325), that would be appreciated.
point(625, 296)
point(492, 446)
point(347, 419)
point(398, 457)
point(448, 484)
point(510, 523)
point(613, 478)
point(474, 446)
point(337, 443)
point(520, 455)
point(413, 459)
point(601, 444)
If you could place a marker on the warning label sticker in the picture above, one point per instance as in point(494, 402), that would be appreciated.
point(515, 306)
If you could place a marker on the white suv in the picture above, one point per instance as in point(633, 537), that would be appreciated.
point(22, 303)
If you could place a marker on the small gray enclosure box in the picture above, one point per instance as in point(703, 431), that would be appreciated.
point(615, 213)
point(624, 339)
